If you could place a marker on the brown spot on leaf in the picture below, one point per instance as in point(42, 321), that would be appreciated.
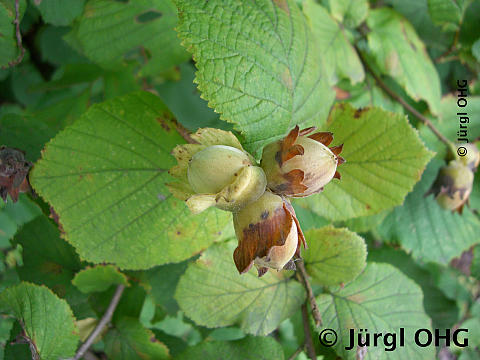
point(367, 206)
point(359, 112)
point(282, 4)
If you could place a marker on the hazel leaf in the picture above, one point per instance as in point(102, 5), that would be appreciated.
point(382, 300)
point(47, 321)
point(129, 340)
point(213, 294)
point(105, 177)
point(428, 231)
point(258, 348)
point(98, 278)
point(108, 30)
point(399, 52)
point(384, 159)
point(339, 56)
point(258, 65)
point(334, 256)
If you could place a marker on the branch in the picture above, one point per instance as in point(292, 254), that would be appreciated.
point(103, 322)
point(19, 58)
point(311, 297)
point(405, 105)
point(308, 335)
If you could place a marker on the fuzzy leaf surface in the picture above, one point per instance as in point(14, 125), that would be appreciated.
point(258, 64)
point(385, 158)
point(105, 176)
point(213, 294)
point(399, 52)
point(381, 299)
point(334, 255)
point(48, 321)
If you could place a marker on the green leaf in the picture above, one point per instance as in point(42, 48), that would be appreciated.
point(261, 348)
point(105, 176)
point(349, 12)
point(381, 300)
point(258, 65)
point(163, 280)
point(60, 12)
point(109, 29)
point(213, 294)
point(442, 310)
point(475, 267)
point(24, 132)
point(334, 256)
point(447, 12)
point(365, 223)
point(448, 123)
point(129, 340)
point(8, 41)
point(476, 49)
point(385, 158)
point(428, 231)
point(98, 278)
point(400, 53)
point(47, 320)
point(14, 215)
point(339, 56)
point(47, 259)
point(183, 99)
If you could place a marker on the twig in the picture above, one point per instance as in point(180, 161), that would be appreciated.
point(402, 102)
point(308, 335)
point(103, 322)
point(311, 297)
point(297, 352)
point(19, 58)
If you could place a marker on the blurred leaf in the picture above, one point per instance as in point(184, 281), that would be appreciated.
point(442, 310)
point(475, 267)
point(47, 320)
point(381, 300)
point(129, 340)
point(349, 12)
point(8, 41)
point(24, 132)
point(109, 29)
point(105, 176)
point(60, 12)
point(368, 94)
point(339, 56)
point(448, 122)
point(400, 53)
point(54, 48)
point(385, 158)
point(163, 281)
point(14, 215)
point(307, 218)
point(261, 348)
point(476, 49)
point(365, 223)
point(447, 12)
point(428, 231)
point(183, 100)
point(235, 64)
point(98, 278)
point(23, 81)
point(213, 294)
point(334, 256)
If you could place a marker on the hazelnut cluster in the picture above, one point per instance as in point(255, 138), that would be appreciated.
point(217, 171)
point(454, 182)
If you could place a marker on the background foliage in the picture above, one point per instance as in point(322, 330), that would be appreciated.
point(107, 88)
